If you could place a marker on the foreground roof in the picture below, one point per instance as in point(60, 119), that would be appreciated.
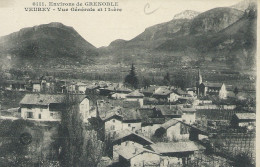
point(124, 134)
point(246, 116)
point(131, 151)
point(176, 147)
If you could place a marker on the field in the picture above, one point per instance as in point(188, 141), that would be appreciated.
point(233, 144)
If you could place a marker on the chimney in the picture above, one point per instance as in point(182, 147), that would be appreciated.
point(135, 151)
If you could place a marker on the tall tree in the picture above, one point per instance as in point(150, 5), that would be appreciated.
point(167, 79)
point(71, 133)
point(131, 79)
point(236, 91)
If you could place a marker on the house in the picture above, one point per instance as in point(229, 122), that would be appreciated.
point(36, 85)
point(188, 115)
point(118, 95)
point(151, 120)
point(48, 107)
point(135, 96)
point(177, 152)
point(18, 85)
point(243, 120)
point(114, 119)
point(127, 138)
point(173, 130)
point(162, 93)
point(131, 156)
point(169, 111)
point(148, 92)
point(81, 87)
point(208, 88)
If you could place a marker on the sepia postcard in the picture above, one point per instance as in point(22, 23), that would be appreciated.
point(128, 83)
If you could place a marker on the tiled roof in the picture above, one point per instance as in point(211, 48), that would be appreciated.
point(135, 93)
point(169, 123)
point(211, 84)
point(124, 133)
point(176, 147)
point(131, 114)
point(150, 89)
point(131, 151)
point(125, 114)
point(188, 109)
point(246, 116)
point(162, 91)
point(168, 110)
point(46, 99)
point(107, 112)
point(179, 92)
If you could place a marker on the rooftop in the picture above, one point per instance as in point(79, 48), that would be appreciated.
point(46, 99)
point(176, 147)
point(125, 134)
point(131, 151)
point(246, 116)
point(211, 84)
point(135, 93)
point(169, 123)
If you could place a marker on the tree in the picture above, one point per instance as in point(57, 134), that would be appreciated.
point(71, 133)
point(236, 91)
point(166, 79)
point(146, 82)
point(131, 79)
point(79, 146)
point(243, 160)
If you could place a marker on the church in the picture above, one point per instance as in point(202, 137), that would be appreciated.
point(210, 88)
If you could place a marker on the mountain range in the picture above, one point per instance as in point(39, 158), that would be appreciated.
point(223, 37)
point(46, 45)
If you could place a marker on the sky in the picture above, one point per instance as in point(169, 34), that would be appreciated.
point(101, 28)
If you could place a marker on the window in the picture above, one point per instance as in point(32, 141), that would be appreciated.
point(29, 115)
point(40, 116)
point(112, 127)
point(129, 125)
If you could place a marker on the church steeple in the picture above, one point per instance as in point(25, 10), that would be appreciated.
point(199, 77)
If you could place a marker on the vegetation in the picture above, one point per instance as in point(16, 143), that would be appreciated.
point(79, 146)
point(131, 79)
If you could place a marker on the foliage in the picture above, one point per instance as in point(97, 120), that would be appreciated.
point(167, 79)
point(243, 160)
point(79, 147)
point(131, 79)
point(71, 133)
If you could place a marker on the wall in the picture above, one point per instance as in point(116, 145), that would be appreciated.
point(145, 158)
point(173, 97)
point(133, 126)
point(174, 133)
point(140, 100)
point(44, 112)
point(84, 109)
point(36, 87)
point(189, 117)
point(149, 130)
point(113, 125)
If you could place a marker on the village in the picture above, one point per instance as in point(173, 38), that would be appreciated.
point(148, 126)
